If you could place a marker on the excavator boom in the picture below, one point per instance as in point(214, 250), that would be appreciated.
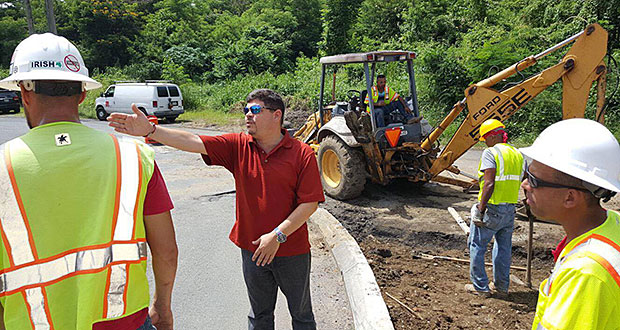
point(579, 68)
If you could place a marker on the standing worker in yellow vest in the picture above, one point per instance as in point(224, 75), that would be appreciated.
point(75, 217)
point(575, 165)
point(500, 172)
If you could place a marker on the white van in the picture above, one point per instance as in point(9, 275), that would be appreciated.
point(153, 97)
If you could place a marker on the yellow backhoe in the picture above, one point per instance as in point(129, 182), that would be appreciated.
point(351, 148)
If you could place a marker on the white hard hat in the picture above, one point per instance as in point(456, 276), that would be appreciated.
point(47, 57)
point(581, 148)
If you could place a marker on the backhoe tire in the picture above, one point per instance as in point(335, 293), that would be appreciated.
point(342, 169)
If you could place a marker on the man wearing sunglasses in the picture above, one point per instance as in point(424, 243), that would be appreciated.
point(500, 172)
point(278, 188)
point(576, 164)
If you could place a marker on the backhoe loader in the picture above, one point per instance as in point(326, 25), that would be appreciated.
point(351, 148)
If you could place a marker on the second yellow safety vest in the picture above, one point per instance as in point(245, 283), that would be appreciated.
point(74, 247)
point(508, 174)
point(589, 262)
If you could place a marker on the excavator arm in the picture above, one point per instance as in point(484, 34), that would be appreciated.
point(580, 67)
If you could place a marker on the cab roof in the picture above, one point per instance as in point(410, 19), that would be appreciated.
point(371, 57)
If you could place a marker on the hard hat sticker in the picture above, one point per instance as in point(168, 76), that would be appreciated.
point(46, 64)
point(62, 139)
point(72, 63)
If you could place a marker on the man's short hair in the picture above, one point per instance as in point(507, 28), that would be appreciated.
point(569, 180)
point(380, 76)
point(54, 87)
point(270, 98)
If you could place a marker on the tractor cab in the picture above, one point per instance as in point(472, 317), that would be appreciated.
point(360, 116)
point(351, 147)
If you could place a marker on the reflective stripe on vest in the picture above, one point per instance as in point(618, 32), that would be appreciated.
point(600, 249)
point(500, 176)
point(386, 98)
point(540, 327)
point(29, 274)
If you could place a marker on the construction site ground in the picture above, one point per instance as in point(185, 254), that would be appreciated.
point(396, 224)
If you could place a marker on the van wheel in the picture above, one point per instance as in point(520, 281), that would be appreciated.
point(342, 169)
point(101, 113)
point(171, 119)
point(17, 110)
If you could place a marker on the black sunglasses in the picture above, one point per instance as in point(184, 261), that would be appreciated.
point(256, 109)
point(536, 182)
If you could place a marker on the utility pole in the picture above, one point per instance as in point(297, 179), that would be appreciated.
point(28, 10)
point(51, 21)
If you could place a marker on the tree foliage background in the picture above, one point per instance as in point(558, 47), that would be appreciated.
point(218, 49)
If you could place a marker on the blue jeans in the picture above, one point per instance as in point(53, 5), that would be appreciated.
point(499, 222)
point(380, 112)
point(292, 276)
point(147, 324)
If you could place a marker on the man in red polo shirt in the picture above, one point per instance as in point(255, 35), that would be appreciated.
point(278, 188)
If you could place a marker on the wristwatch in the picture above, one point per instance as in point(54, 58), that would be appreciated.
point(280, 237)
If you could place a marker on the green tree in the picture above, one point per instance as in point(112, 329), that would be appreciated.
point(307, 33)
point(378, 21)
point(105, 31)
point(338, 18)
point(12, 33)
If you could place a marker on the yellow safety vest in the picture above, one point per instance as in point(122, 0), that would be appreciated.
point(508, 174)
point(390, 95)
point(583, 292)
point(71, 217)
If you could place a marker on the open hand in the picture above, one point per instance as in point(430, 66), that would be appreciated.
point(267, 247)
point(136, 124)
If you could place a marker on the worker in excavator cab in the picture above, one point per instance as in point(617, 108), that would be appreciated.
point(386, 100)
point(500, 171)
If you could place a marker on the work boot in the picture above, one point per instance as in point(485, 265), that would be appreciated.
point(497, 293)
point(470, 288)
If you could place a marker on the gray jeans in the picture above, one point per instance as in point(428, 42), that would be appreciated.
point(292, 276)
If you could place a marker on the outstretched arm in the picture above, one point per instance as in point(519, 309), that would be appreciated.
point(137, 124)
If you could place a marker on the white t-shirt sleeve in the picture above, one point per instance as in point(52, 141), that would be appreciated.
point(488, 160)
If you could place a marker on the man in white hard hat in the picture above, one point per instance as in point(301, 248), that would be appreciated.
point(576, 164)
point(77, 208)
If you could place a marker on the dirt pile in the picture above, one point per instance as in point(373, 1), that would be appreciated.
point(397, 224)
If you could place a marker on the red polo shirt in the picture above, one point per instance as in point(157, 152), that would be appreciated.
point(269, 186)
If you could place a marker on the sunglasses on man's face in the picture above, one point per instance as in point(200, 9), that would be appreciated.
point(536, 182)
point(256, 109)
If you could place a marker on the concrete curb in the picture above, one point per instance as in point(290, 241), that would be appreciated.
point(367, 305)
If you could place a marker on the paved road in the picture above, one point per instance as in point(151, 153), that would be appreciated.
point(209, 291)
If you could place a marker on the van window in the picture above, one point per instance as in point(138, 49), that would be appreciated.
point(174, 91)
point(109, 92)
point(162, 91)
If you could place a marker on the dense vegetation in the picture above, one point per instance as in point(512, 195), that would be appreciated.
point(218, 50)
